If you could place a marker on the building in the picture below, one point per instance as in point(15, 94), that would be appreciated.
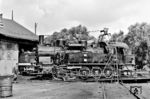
point(14, 38)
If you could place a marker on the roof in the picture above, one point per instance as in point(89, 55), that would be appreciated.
point(119, 44)
point(14, 30)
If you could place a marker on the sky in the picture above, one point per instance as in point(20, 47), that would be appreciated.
point(54, 15)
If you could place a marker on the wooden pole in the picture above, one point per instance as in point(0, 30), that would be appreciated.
point(35, 27)
point(12, 15)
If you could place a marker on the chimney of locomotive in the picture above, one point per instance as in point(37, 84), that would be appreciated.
point(41, 39)
point(1, 20)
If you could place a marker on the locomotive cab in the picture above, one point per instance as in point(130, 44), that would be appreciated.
point(125, 61)
point(118, 50)
point(103, 45)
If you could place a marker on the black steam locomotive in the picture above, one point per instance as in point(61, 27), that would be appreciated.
point(99, 61)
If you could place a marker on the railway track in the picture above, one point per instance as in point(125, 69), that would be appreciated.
point(104, 91)
point(137, 96)
point(108, 92)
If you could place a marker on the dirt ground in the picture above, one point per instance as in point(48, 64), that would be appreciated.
point(50, 89)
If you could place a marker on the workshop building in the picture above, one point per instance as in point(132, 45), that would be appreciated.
point(13, 39)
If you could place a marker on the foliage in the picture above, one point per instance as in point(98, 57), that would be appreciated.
point(73, 34)
point(137, 40)
point(79, 32)
point(137, 33)
point(117, 37)
point(141, 53)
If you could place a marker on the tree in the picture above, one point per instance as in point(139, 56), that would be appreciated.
point(137, 41)
point(141, 53)
point(79, 33)
point(73, 34)
point(51, 38)
point(117, 37)
point(137, 33)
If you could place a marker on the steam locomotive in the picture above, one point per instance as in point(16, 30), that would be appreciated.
point(98, 61)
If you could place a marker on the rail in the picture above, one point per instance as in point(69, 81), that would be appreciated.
point(104, 91)
point(87, 64)
point(137, 96)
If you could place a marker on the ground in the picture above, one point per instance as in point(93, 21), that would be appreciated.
point(52, 89)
